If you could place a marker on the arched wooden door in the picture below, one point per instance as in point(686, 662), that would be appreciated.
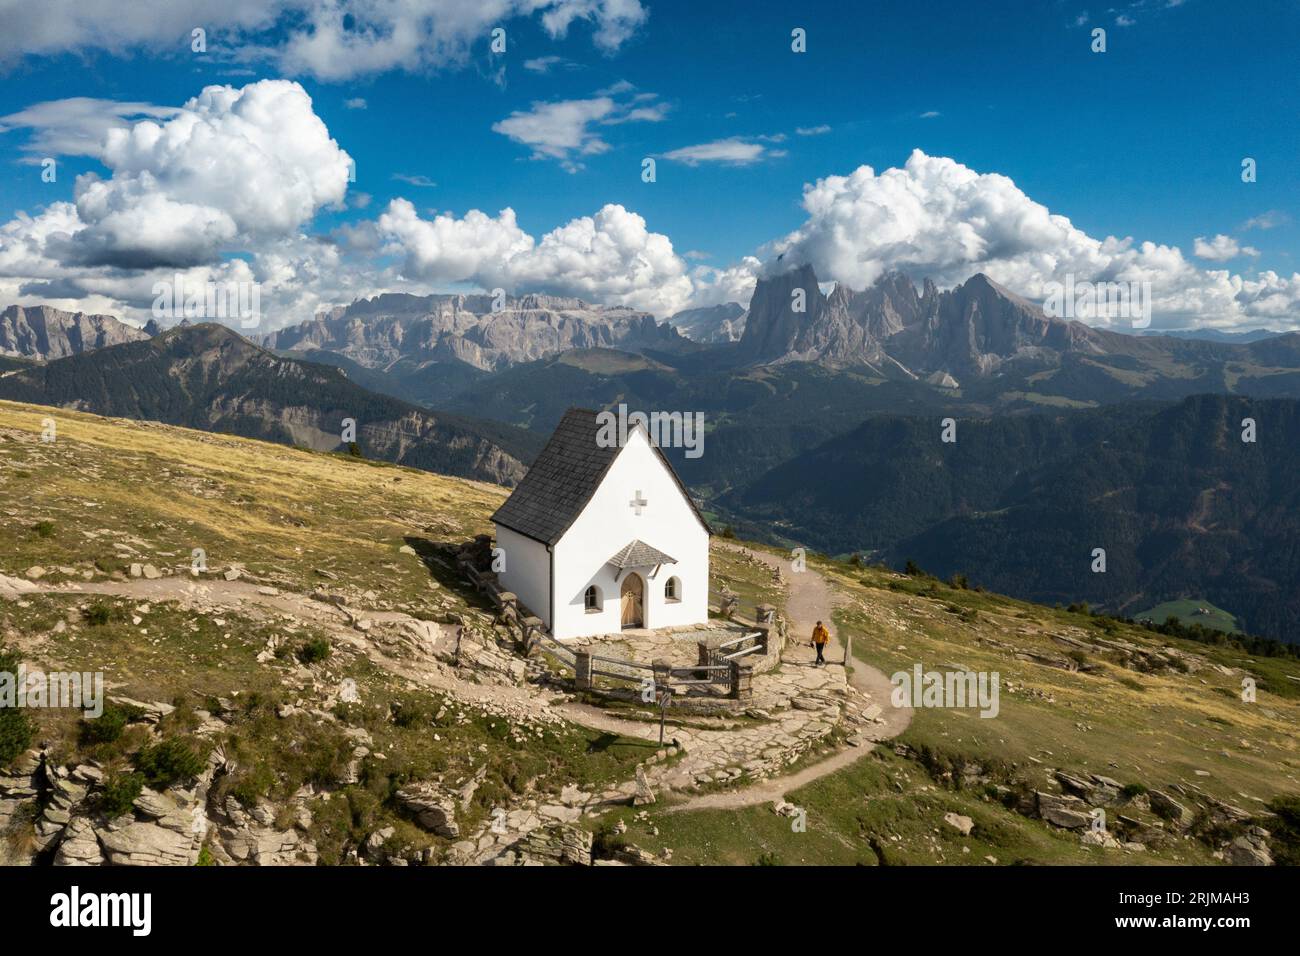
point(632, 594)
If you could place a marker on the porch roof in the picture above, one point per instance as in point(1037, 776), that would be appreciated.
point(638, 554)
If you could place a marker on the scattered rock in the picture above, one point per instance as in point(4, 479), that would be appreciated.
point(962, 824)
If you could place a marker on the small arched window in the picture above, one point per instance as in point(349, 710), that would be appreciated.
point(673, 589)
point(591, 600)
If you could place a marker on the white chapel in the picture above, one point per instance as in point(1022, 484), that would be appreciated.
point(599, 538)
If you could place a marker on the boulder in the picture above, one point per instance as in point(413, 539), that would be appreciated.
point(556, 845)
point(1163, 805)
point(962, 824)
point(149, 844)
point(80, 846)
point(1100, 838)
point(1244, 852)
point(433, 809)
point(1069, 812)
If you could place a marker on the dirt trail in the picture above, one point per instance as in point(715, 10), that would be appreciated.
point(243, 595)
point(811, 599)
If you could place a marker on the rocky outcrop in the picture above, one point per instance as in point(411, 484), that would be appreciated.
point(557, 845)
point(1163, 805)
point(42, 332)
point(432, 809)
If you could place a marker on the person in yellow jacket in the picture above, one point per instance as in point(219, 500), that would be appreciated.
point(819, 639)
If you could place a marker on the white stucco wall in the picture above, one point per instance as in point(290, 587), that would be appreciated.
point(607, 523)
point(527, 572)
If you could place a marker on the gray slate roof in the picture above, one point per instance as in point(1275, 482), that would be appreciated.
point(562, 480)
point(638, 554)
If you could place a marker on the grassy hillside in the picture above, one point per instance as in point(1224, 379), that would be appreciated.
point(1146, 730)
point(307, 532)
point(106, 494)
point(1191, 612)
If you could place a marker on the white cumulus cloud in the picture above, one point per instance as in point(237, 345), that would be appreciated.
point(938, 218)
point(611, 257)
point(1221, 248)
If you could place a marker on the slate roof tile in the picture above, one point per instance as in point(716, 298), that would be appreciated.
point(562, 480)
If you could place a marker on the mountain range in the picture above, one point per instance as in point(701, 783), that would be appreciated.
point(207, 376)
point(477, 330)
point(823, 422)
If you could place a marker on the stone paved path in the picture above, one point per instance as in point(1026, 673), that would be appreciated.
point(811, 599)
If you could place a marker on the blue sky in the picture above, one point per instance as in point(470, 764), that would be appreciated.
point(1145, 140)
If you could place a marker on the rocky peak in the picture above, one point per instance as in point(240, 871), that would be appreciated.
point(891, 327)
point(44, 332)
point(774, 329)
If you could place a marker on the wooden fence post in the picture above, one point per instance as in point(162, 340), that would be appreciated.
point(663, 671)
point(705, 658)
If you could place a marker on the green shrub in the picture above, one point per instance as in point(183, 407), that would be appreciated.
point(16, 730)
point(411, 712)
point(170, 762)
point(120, 793)
point(108, 726)
point(314, 651)
point(44, 529)
point(1284, 830)
point(1132, 790)
point(98, 614)
point(606, 842)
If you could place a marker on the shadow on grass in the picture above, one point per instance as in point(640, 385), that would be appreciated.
point(437, 558)
point(606, 741)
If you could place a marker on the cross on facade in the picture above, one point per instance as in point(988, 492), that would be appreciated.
point(638, 503)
